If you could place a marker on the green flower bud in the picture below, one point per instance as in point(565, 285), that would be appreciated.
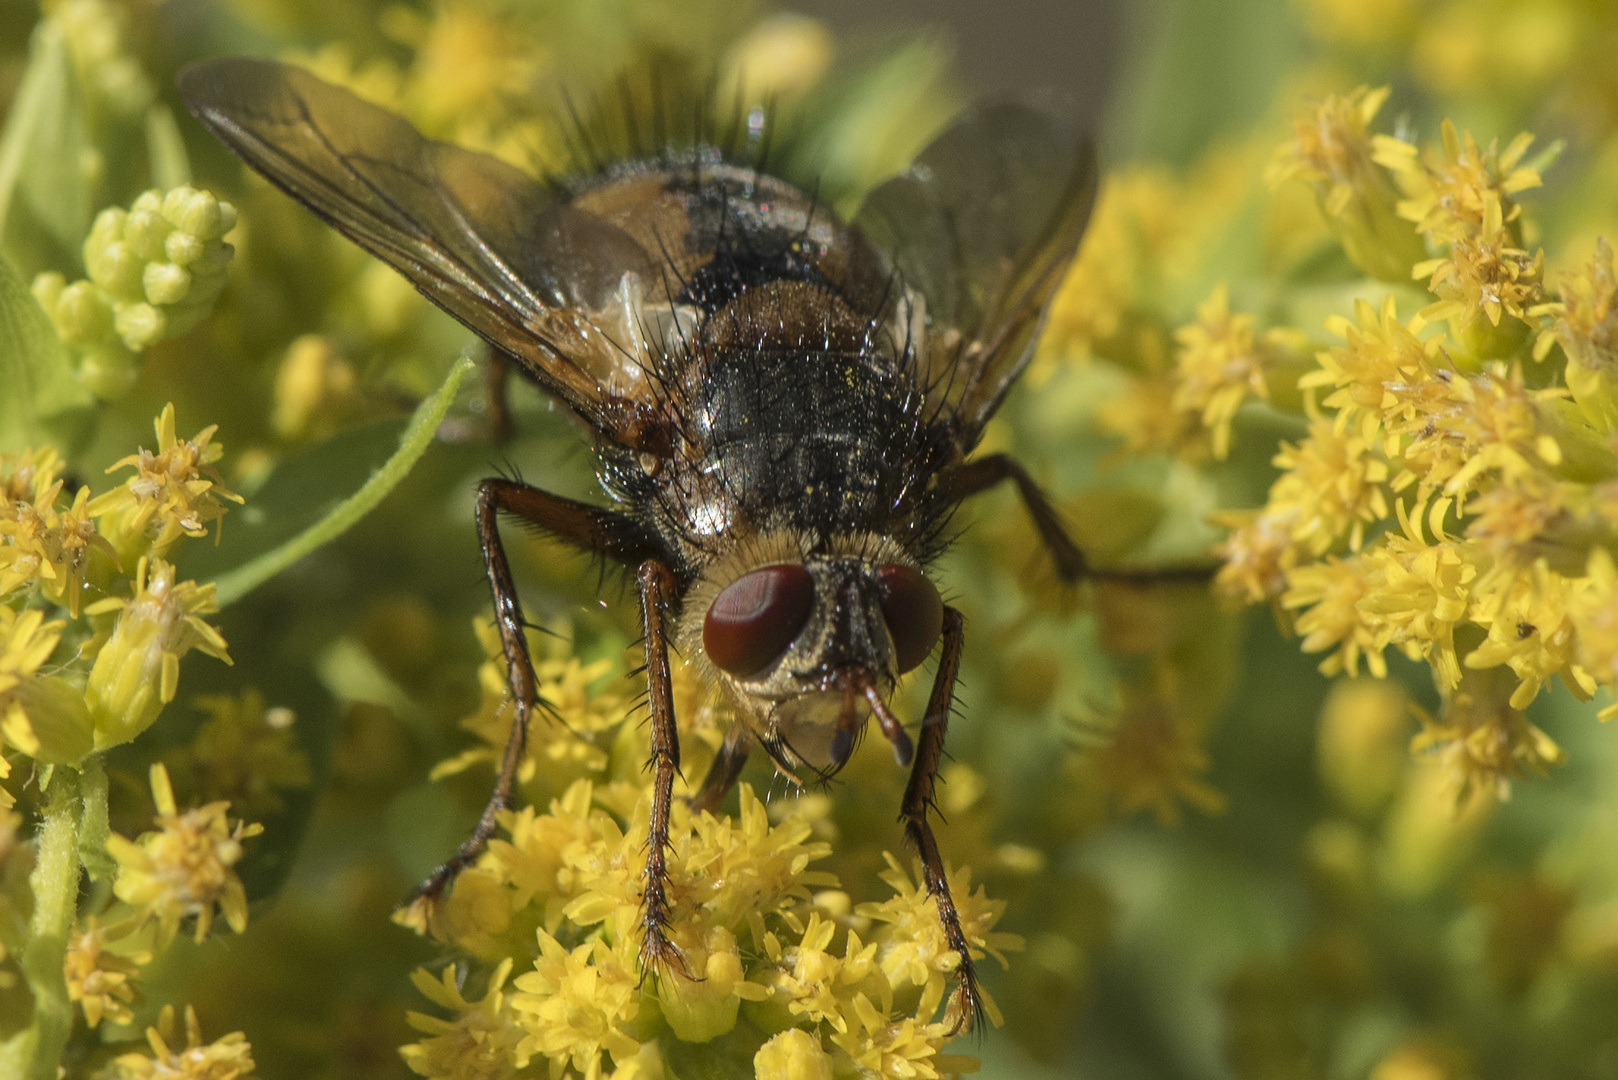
point(140, 325)
point(165, 283)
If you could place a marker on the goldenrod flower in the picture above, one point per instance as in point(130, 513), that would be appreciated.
point(99, 980)
point(137, 671)
point(245, 755)
point(183, 868)
point(314, 388)
point(479, 1044)
point(227, 1058)
point(1333, 483)
point(174, 492)
point(1586, 325)
point(1332, 591)
point(1481, 740)
point(1416, 593)
point(794, 1054)
point(1486, 274)
point(879, 1046)
point(1456, 196)
point(579, 694)
point(1257, 555)
point(914, 950)
point(1331, 150)
point(576, 1004)
point(1531, 630)
point(1221, 361)
point(1375, 371)
point(43, 545)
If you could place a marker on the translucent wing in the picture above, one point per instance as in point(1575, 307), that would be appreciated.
point(983, 225)
point(480, 238)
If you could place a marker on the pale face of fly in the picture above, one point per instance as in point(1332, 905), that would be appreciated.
point(811, 646)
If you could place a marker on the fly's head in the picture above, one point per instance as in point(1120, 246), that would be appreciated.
point(811, 643)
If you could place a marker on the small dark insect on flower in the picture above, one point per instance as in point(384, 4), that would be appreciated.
point(784, 405)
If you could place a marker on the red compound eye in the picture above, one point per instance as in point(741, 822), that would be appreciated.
point(914, 612)
point(755, 618)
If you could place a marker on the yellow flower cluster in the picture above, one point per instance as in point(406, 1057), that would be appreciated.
point(769, 949)
point(228, 1058)
point(1444, 502)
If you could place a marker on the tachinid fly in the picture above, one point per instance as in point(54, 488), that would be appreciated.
point(784, 406)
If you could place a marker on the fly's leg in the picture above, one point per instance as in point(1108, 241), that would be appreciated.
point(918, 800)
point(590, 528)
point(656, 585)
point(725, 770)
point(1071, 565)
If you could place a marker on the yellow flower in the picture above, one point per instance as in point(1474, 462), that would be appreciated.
point(1371, 372)
point(906, 1049)
point(245, 755)
point(1530, 629)
point(1416, 593)
point(575, 1005)
point(794, 1054)
point(99, 980)
point(1257, 555)
point(1485, 275)
point(174, 492)
point(1458, 195)
point(1332, 591)
point(913, 950)
point(1331, 150)
point(1490, 424)
point(1586, 325)
point(1332, 483)
point(585, 704)
point(1221, 361)
point(137, 671)
point(228, 1058)
point(1482, 742)
point(183, 868)
point(42, 544)
point(478, 1044)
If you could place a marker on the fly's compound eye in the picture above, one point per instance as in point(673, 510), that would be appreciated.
point(755, 617)
point(913, 611)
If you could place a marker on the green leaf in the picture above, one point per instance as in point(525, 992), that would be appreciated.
point(42, 400)
point(235, 584)
point(45, 147)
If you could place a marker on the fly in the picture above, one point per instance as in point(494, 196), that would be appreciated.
point(784, 405)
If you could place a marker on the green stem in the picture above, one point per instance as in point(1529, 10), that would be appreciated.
point(37, 1052)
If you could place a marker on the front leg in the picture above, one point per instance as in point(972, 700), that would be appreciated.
point(656, 586)
point(918, 800)
point(593, 529)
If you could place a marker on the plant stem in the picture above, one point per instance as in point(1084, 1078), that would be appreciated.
point(37, 1052)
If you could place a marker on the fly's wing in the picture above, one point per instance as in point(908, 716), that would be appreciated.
point(478, 237)
point(982, 225)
